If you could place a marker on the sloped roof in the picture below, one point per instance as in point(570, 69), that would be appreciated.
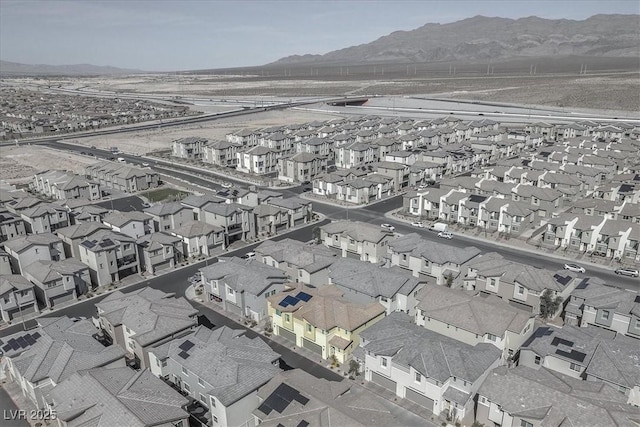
point(435, 252)
point(241, 275)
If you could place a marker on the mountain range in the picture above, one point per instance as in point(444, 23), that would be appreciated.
point(484, 38)
point(16, 68)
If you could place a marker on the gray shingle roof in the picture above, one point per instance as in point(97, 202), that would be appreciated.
point(63, 348)
point(23, 242)
point(231, 364)
point(151, 314)
point(358, 231)
point(471, 311)
point(298, 254)
point(13, 282)
point(433, 355)
point(250, 276)
point(435, 252)
point(117, 397)
point(555, 399)
point(371, 279)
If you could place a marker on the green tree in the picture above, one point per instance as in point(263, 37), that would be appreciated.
point(315, 233)
point(449, 279)
point(549, 304)
point(354, 368)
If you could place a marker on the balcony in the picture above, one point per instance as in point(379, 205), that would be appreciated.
point(127, 261)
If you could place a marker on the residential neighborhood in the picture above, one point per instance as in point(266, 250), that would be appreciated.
point(395, 271)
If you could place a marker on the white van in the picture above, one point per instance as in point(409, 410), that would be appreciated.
point(121, 159)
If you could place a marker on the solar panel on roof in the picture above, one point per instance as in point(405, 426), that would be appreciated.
point(88, 244)
point(186, 346)
point(6, 348)
point(22, 342)
point(265, 409)
point(278, 403)
point(637, 299)
point(583, 284)
point(303, 423)
point(14, 344)
point(291, 300)
point(30, 339)
point(557, 341)
point(573, 355)
point(36, 335)
point(183, 354)
point(303, 296)
point(302, 400)
point(283, 303)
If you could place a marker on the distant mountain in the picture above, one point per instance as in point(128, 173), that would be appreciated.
point(15, 68)
point(484, 38)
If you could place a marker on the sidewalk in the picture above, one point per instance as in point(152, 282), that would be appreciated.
point(515, 243)
point(345, 205)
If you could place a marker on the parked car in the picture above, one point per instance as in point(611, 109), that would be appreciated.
point(417, 224)
point(145, 164)
point(226, 184)
point(249, 255)
point(445, 235)
point(633, 272)
point(575, 268)
point(388, 227)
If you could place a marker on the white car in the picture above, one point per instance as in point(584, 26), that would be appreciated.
point(226, 184)
point(417, 224)
point(388, 227)
point(445, 235)
point(145, 164)
point(575, 268)
point(249, 255)
point(628, 272)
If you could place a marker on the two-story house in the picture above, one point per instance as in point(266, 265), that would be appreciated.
point(33, 247)
point(57, 282)
point(110, 256)
point(354, 239)
point(169, 216)
point(17, 298)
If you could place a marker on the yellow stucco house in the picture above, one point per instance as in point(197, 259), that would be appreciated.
point(321, 319)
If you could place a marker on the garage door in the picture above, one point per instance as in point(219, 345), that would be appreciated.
point(418, 398)
point(310, 345)
point(232, 308)
point(383, 381)
point(59, 299)
point(285, 333)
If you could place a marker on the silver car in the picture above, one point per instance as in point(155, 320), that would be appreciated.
point(628, 272)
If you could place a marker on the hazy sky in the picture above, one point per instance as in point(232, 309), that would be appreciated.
point(192, 34)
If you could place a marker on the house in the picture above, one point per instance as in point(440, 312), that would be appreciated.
point(428, 258)
point(140, 320)
point(17, 298)
point(270, 219)
point(322, 319)
point(223, 369)
point(190, 148)
point(241, 287)
point(197, 203)
point(87, 213)
point(473, 318)
point(159, 251)
point(33, 247)
point(301, 167)
point(11, 225)
point(258, 160)
point(236, 220)
point(301, 262)
point(355, 154)
point(222, 153)
point(129, 179)
point(297, 398)
point(592, 303)
point(73, 235)
point(64, 186)
point(298, 210)
point(354, 239)
point(43, 357)
point(5, 262)
point(169, 215)
point(432, 370)
point(519, 284)
point(117, 396)
point(44, 218)
point(589, 353)
point(133, 224)
point(110, 256)
point(199, 238)
point(393, 287)
point(523, 396)
point(57, 282)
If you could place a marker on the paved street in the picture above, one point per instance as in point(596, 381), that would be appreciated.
point(9, 418)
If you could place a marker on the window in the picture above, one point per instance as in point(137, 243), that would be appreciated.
point(575, 367)
point(201, 382)
point(266, 295)
point(213, 402)
point(309, 327)
point(492, 337)
point(622, 389)
point(604, 315)
point(524, 423)
point(418, 377)
point(186, 387)
point(215, 419)
point(520, 290)
point(203, 398)
point(482, 400)
point(287, 317)
point(383, 362)
point(231, 291)
point(184, 371)
point(536, 360)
